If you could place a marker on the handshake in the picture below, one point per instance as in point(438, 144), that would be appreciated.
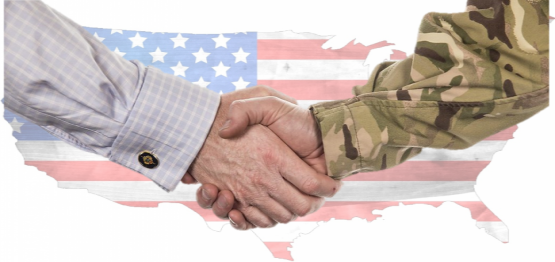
point(273, 172)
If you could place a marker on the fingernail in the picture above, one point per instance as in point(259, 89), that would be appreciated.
point(232, 222)
point(226, 124)
point(205, 194)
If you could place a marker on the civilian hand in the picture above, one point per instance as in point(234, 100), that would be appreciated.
point(268, 181)
point(292, 124)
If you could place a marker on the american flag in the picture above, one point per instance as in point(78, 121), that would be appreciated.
point(297, 65)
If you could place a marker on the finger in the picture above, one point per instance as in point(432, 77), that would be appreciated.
point(275, 210)
point(206, 195)
point(188, 179)
point(238, 221)
point(305, 178)
point(223, 204)
point(292, 199)
point(261, 110)
point(257, 217)
point(268, 91)
point(282, 96)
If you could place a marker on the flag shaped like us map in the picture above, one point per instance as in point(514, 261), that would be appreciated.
point(297, 65)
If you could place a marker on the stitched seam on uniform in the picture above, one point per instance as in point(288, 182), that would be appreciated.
point(356, 136)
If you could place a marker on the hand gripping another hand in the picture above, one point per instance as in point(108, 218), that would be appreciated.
point(267, 174)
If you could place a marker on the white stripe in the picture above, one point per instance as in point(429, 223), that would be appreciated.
point(61, 151)
point(351, 190)
point(471, 196)
point(496, 229)
point(312, 70)
point(481, 151)
point(399, 190)
point(54, 151)
point(291, 35)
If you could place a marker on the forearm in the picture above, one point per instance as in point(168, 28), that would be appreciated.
point(466, 81)
point(63, 79)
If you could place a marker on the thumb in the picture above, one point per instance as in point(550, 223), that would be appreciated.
point(260, 110)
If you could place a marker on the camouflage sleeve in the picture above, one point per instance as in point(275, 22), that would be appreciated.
point(472, 75)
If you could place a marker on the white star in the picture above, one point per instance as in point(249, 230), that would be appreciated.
point(241, 56)
point(16, 126)
point(179, 70)
point(201, 56)
point(137, 40)
point(157, 55)
point(179, 41)
point(221, 41)
point(240, 84)
point(98, 37)
point(221, 93)
point(201, 82)
point(119, 52)
point(221, 70)
point(116, 31)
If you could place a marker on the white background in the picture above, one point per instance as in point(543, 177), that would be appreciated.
point(39, 222)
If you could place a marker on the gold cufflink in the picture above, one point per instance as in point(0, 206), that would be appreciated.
point(148, 159)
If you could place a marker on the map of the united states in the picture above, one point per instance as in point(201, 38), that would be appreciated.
point(297, 65)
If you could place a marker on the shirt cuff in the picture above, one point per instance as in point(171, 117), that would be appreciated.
point(170, 120)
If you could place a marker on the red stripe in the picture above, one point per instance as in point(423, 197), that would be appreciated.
point(340, 210)
point(426, 171)
point(408, 171)
point(279, 249)
point(504, 134)
point(398, 55)
point(297, 49)
point(87, 171)
point(314, 89)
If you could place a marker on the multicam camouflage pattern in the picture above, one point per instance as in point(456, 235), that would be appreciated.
point(472, 75)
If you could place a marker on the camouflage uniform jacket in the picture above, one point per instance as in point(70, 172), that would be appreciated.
point(472, 75)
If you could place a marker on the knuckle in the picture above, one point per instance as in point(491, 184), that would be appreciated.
point(310, 186)
point(263, 90)
point(276, 101)
point(256, 179)
point(237, 105)
point(269, 157)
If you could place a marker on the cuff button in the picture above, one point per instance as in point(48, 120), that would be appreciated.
point(148, 159)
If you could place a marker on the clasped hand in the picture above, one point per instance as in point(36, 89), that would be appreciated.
point(262, 161)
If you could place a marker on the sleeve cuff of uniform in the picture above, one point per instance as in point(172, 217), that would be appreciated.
point(356, 140)
point(170, 121)
point(340, 146)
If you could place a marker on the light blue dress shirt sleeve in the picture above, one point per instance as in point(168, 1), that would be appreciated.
point(63, 79)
